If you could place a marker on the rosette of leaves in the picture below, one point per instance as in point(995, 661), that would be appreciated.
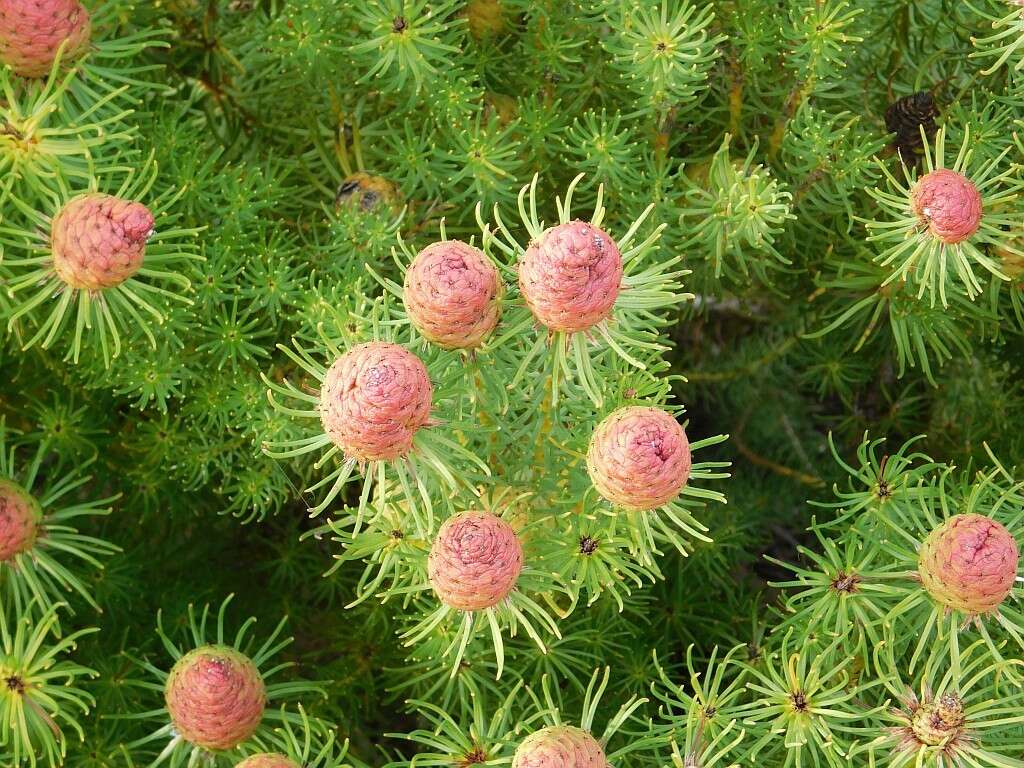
point(939, 228)
point(116, 266)
point(376, 405)
point(805, 705)
point(70, 80)
point(664, 51)
point(735, 216)
point(951, 713)
point(594, 298)
point(219, 701)
point(702, 728)
point(41, 697)
point(552, 740)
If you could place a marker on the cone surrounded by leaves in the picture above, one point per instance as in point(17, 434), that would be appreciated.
point(571, 276)
point(639, 458)
point(451, 294)
point(19, 520)
point(215, 697)
point(99, 241)
point(475, 561)
point(374, 399)
point(969, 563)
point(947, 203)
point(32, 32)
point(560, 746)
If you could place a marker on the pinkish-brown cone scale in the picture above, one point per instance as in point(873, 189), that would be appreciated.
point(474, 561)
point(215, 697)
point(570, 276)
point(20, 516)
point(559, 746)
point(268, 760)
point(452, 294)
point(639, 458)
point(948, 203)
point(969, 564)
point(374, 399)
point(32, 31)
point(99, 241)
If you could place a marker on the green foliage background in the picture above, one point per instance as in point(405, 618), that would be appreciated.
point(263, 110)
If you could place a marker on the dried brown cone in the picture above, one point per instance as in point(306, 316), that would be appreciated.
point(366, 192)
point(906, 116)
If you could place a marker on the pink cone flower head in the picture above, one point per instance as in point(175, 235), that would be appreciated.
point(559, 746)
point(474, 561)
point(570, 276)
point(32, 31)
point(268, 760)
point(949, 203)
point(451, 294)
point(374, 399)
point(639, 458)
point(98, 241)
point(215, 697)
point(969, 563)
point(20, 516)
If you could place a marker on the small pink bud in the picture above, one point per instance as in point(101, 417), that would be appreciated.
point(948, 203)
point(474, 561)
point(99, 241)
point(20, 515)
point(559, 746)
point(639, 458)
point(31, 33)
point(268, 760)
point(969, 563)
point(451, 294)
point(374, 399)
point(570, 276)
point(215, 697)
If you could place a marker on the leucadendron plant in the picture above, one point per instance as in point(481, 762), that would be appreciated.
point(221, 695)
point(473, 490)
point(445, 328)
